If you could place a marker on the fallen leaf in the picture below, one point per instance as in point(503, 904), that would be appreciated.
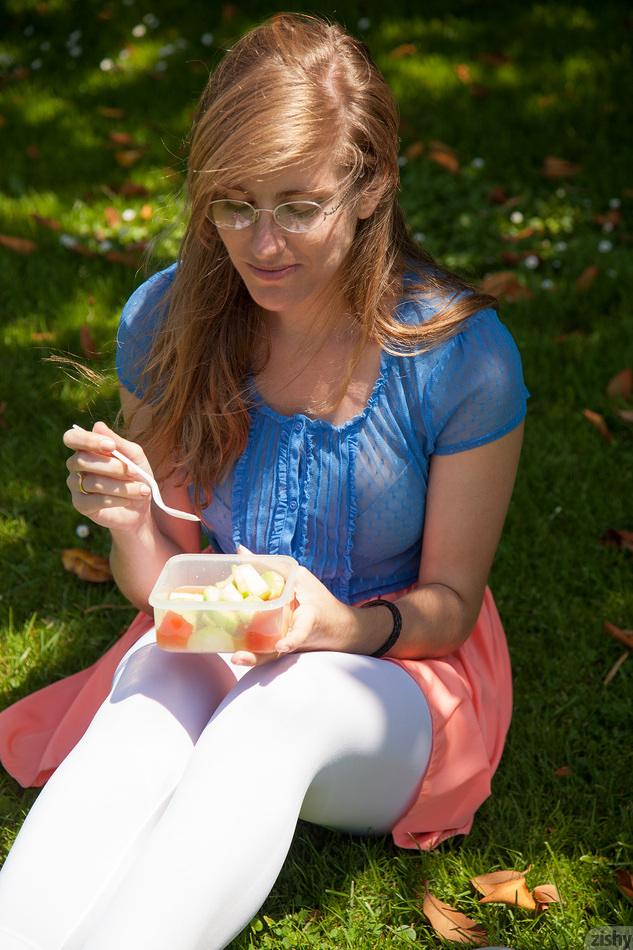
point(131, 188)
point(86, 565)
point(3, 121)
point(617, 538)
point(514, 893)
point(121, 257)
point(450, 923)
point(598, 421)
point(613, 216)
point(3, 422)
point(414, 150)
point(621, 384)
point(229, 11)
point(87, 343)
point(563, 771)
point(494, 58)
point(626, 414)
point(572, 335)
point(558, 168)
point(43, 336)
point(111, 112)
point(625, 882)
point(51, 223)
point(33, 151)
point(445, 156)
point(497, 195)
point(112, 216)
point(478, 90)
point(486, 883)
point(18, 244)
point(83, 249)
point(544, 895)
point(121, 138)
point(587, 277)
point(523, 233)
point(463, 73)
point(129, 157)
point(405, 49)
point(505, 285)
point(624, 636)
point(616, 666)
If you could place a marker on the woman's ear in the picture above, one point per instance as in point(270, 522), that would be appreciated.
point(370, 197)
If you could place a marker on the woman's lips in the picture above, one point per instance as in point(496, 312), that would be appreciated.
point(272, 274)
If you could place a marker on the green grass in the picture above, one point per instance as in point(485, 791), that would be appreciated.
point(566, 91)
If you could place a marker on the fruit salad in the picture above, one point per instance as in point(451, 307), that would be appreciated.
point(249, 609)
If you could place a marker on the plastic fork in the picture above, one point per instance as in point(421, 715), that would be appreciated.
point(156, 495)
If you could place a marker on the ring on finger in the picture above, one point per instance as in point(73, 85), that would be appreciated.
point(80, 478)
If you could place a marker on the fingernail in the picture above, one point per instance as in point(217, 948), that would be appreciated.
point(145, 490)
point(283, 649)
point(107, 445)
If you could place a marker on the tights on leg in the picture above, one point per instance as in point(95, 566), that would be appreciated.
point(194, 846)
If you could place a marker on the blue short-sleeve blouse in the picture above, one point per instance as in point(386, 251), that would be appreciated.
point(348, 501)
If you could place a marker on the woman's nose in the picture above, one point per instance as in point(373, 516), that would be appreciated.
point(266, 235)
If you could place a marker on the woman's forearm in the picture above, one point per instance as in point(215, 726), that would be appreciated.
point(433, 624)
point(136, 560)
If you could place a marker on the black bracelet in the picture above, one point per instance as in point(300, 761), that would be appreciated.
point(397, 624)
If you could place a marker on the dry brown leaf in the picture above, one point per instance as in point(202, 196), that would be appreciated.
point(613, 216)
point(505, 285)
point(463, 73)
point(87, 343)
point(598, 421)
point(414, 150)
point(621, 384)
point(617, 538)
point(625, 882)
point(129, 156)
point(486, 883)
point(497, 195)
point(616, 666)
point(515, 893)
point(572, 335)
point(451, 923)
point(130, 259)
point(121, 138)
point(3, 121)
point(86, 565)
point(130, 189)
point(112, 216)
point(523, 233)
point(445, 156)
point(624, 636)
point(494, 58)
point(43, 336)
point(111, 112)
point(229, 11)
point(558, 168)
point(18, 244)
point(587, 277)
point(544, 895)
point(51, 223)
point(405, 49)
point(146, 212)
point(3, 422)
point(625, 414)
point(33, 151)
point(563, 771)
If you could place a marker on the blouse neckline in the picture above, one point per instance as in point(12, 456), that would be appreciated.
point(317, 423)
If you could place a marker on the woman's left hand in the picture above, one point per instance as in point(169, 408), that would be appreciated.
point(319, 622)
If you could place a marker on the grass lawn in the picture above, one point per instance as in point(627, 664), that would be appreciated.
point(505, 86)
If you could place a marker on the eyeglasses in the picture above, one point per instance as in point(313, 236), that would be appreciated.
point(294, 216)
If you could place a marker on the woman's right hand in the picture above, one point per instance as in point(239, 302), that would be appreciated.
point(115, 499)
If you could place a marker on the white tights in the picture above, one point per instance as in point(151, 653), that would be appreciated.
point(168, 823)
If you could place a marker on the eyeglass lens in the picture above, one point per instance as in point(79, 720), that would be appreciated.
point(293, 216)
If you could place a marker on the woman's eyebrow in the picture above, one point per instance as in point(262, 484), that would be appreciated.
point(283, 194)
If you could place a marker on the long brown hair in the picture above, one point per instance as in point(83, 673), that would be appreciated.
point(294, 88)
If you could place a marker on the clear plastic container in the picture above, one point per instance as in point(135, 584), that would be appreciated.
point(220, 626)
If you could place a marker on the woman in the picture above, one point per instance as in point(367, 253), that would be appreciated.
point(309, 382)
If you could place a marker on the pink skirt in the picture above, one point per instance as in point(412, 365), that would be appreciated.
point(469, 694)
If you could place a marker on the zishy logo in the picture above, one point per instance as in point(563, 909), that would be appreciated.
point(610, 937)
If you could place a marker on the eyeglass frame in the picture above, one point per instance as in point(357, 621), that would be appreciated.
point(257, 211)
